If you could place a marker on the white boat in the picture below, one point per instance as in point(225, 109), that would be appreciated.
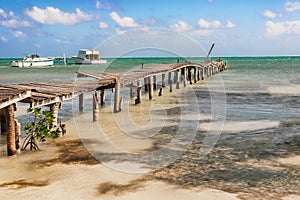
point(87, 56)
point(33, 61)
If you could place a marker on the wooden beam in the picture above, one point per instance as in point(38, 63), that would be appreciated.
point(15, 98)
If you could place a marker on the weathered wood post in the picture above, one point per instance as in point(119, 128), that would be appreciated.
point(18, 134)
point(117, 97)
point(139, 92)
point(95, 107)
point(131, 90)
point(169, 78)
point(202, 73)
point(184, 77)
point(198, 74)
point(54, 110)
point(150, 79)
point(190, 75)
point(163, 80)
point(181, 74)
point(10, 133)
point(154, 82)
point(177, 79)
point(102, 97)
point(146, 84)
point(195, 75)
point(171, 87)
point(81, 102)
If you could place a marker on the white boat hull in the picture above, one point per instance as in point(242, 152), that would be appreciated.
point(33, 62)
point(86, 56)
point(85, 61)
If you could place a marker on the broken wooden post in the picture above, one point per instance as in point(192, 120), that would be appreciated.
point(81, 102)
point(163, 77)
point(160, 91)
point(10, 133)
point(117, 97)
point(150, 81)
point(95, 106)
point(102, 97)
point(54, 110)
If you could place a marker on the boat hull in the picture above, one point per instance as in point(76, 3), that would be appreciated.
point(87, 56)
point(33, 63)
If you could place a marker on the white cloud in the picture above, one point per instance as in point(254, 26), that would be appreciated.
point(18, 34)
point(119, 31)
point(269, 14)
point(230, 24)
point(11, 21)
point(103, 25)
point(209, 24)
point(291, 6)
point(105, 6)
point(181, 26)
point(52, 15)
point(3, 39)
point(282, 28)
point(210, 1)
point(123, 22)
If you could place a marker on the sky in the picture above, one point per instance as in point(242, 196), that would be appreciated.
point(237, 27)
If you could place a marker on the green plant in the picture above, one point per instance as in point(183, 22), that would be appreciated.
point(39, 129)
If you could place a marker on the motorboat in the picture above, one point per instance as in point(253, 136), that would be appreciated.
point(87, 56)
point(33, 61)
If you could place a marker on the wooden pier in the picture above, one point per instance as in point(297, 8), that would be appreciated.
point(54, 93)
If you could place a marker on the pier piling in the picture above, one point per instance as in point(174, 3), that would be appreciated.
point(10, 133)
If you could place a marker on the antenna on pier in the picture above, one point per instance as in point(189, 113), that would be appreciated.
point(211, 48)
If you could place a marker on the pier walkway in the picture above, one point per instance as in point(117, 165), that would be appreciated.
point(54, 93)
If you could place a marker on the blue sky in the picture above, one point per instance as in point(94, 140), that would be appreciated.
point(238, 28)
